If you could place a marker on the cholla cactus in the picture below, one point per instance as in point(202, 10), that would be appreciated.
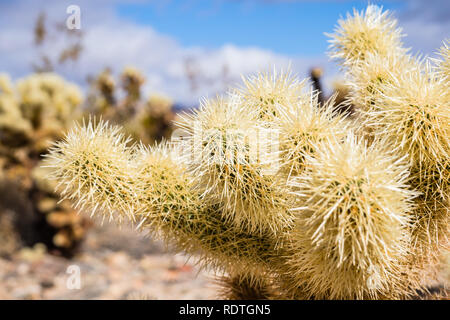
point(355, 214)
point(148, 120)
point(102, 96)
point(302, 125)
point(33, 113)
point(413, 112)
point(181, 216)
point(12, 123)
point(370, 31)
point(98, 160)
point(159, 105)
point(47, 100)
point(407, 102)
point(9, 238)
point(224, 136)
point(154, 121)
point(95, 165)
point(325, 213)
point(368, 77)
point(40, 106)
point(265, 91)
point(63, 226)
point(132, 80)
point(246, 287)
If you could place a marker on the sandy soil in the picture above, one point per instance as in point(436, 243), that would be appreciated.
point(113, 263)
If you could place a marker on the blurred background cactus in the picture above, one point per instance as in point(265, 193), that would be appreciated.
point(279, 192)
point(121, 101)
point(36, 110)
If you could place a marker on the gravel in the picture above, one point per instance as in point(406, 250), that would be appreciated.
point(113, 263)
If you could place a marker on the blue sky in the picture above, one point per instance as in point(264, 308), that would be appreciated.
point(221, 39)
point(285, 27)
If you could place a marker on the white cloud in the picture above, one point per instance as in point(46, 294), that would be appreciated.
point(110, 41)
point(163, 60)
point(426, 23)
point(113, 42)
